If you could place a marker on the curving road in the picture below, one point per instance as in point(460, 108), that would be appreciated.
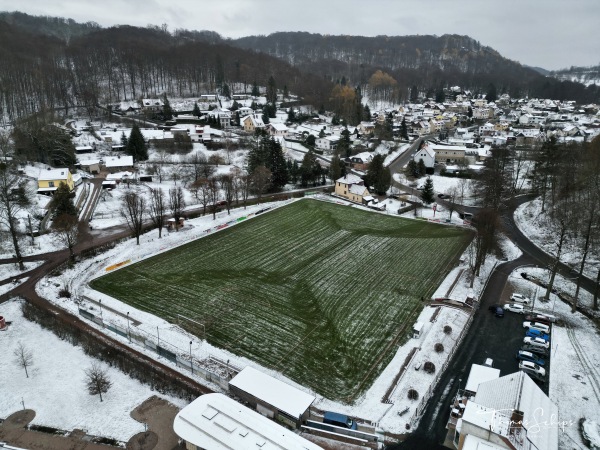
point(489, 337)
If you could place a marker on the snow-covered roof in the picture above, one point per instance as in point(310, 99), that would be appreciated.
point(518, 391)
point(357, 189)
point(486, 418)
point(89, 162)
point(118, 161)
point(473, 442)
point(53, 174)
point(282, 396)
point(349, 179)
point(480, 374)
point(217, 422)
point(278, 126)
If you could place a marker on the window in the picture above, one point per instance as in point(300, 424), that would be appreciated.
point(50, 183)
point(344, 192)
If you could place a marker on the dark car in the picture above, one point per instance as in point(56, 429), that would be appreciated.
point(441, 195)
point(497, 310)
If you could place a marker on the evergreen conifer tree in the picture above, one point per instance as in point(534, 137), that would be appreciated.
point(166, 109)
point(427, 195)
point(136, 146)
point(62, 201)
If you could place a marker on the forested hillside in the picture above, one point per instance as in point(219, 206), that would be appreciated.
point(56, 63)
point(123, 63)
point(428, 62)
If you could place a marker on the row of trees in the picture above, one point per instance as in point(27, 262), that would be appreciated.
point(567, 178)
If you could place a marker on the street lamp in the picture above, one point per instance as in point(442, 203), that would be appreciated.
point(157, 336)
point(100, 303)
point(191, 362)
point(128, 333)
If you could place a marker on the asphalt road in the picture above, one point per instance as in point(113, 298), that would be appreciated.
point(489, 337)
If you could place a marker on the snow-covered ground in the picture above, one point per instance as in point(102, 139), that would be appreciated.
point(575, 358)
point(537, 228)
point(444, 185)
point(369, 407)
point(56, 387)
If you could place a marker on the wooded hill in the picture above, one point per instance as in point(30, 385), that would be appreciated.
point(428, 62)
point(56, 63)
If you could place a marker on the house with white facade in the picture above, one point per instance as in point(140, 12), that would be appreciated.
point(427, 154)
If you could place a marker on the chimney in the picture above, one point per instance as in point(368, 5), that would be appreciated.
point(516, 422)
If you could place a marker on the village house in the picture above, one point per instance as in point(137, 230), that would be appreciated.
point(327, 143)
point(427, 155)
point(361, 161)
point(277, 129)
point(366, 127)
point(351, 187)
point(118, 163)
point(504, 413)
point(252, 122)
point(90, 165)
point(50, 179)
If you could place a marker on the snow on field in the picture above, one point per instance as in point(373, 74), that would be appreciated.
point(575, 362)
point(537, 228)
point(369, 407)
point(56, 387)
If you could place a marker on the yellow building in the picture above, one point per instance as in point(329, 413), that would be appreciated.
point(49, 180)
point(351, 187)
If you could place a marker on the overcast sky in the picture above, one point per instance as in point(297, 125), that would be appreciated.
point(552, 34)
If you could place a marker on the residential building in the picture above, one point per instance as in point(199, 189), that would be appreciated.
point(277, 129)
point(361, 161)
point(351, 187)
point(327, 143)
point(427, 154)
point(252, 122)
point(50, 179)
point(505, 413)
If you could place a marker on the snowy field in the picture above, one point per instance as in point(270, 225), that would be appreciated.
point(56, 387)
point(368, 407)
point(281, 275)
point(537, 228)
point(575, 363)
point(444, 185)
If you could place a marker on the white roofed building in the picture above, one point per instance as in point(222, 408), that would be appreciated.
point(118, 163)
point(508, 412)
point(272, 397)
point(351, 187)
point(216, 422)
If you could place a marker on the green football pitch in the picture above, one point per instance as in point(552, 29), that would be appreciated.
point(320, 292)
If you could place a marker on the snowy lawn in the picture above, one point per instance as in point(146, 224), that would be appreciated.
point(56, 387)
point(313, 290)
point(536, 227)
point(575, 358)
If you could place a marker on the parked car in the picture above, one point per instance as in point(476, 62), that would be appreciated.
point(497, 310)
point(538, 334)
point(536, 349)
point(536, 342)
point(538, 318)
point(545, 317)
point(524, 355)
point(529, 367)
point(520, 299)
point(513, 307)
point(537, 326)
point(339, 420)
point(441, 195)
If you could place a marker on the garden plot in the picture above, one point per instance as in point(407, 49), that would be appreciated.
point(322, 293)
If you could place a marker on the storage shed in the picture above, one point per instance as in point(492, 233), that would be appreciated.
point(272, 397)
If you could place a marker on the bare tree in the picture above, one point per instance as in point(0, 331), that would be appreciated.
point(226, 182)
point(66, 227)
point(23, 357)
point(157, 209)
point(261, 180)
point(200, 186)
point(97, 380)
point(134, 210)
point(176, 204)
point(214, 194)
point(451, 202)
point(14, 198)
point(244, 182)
